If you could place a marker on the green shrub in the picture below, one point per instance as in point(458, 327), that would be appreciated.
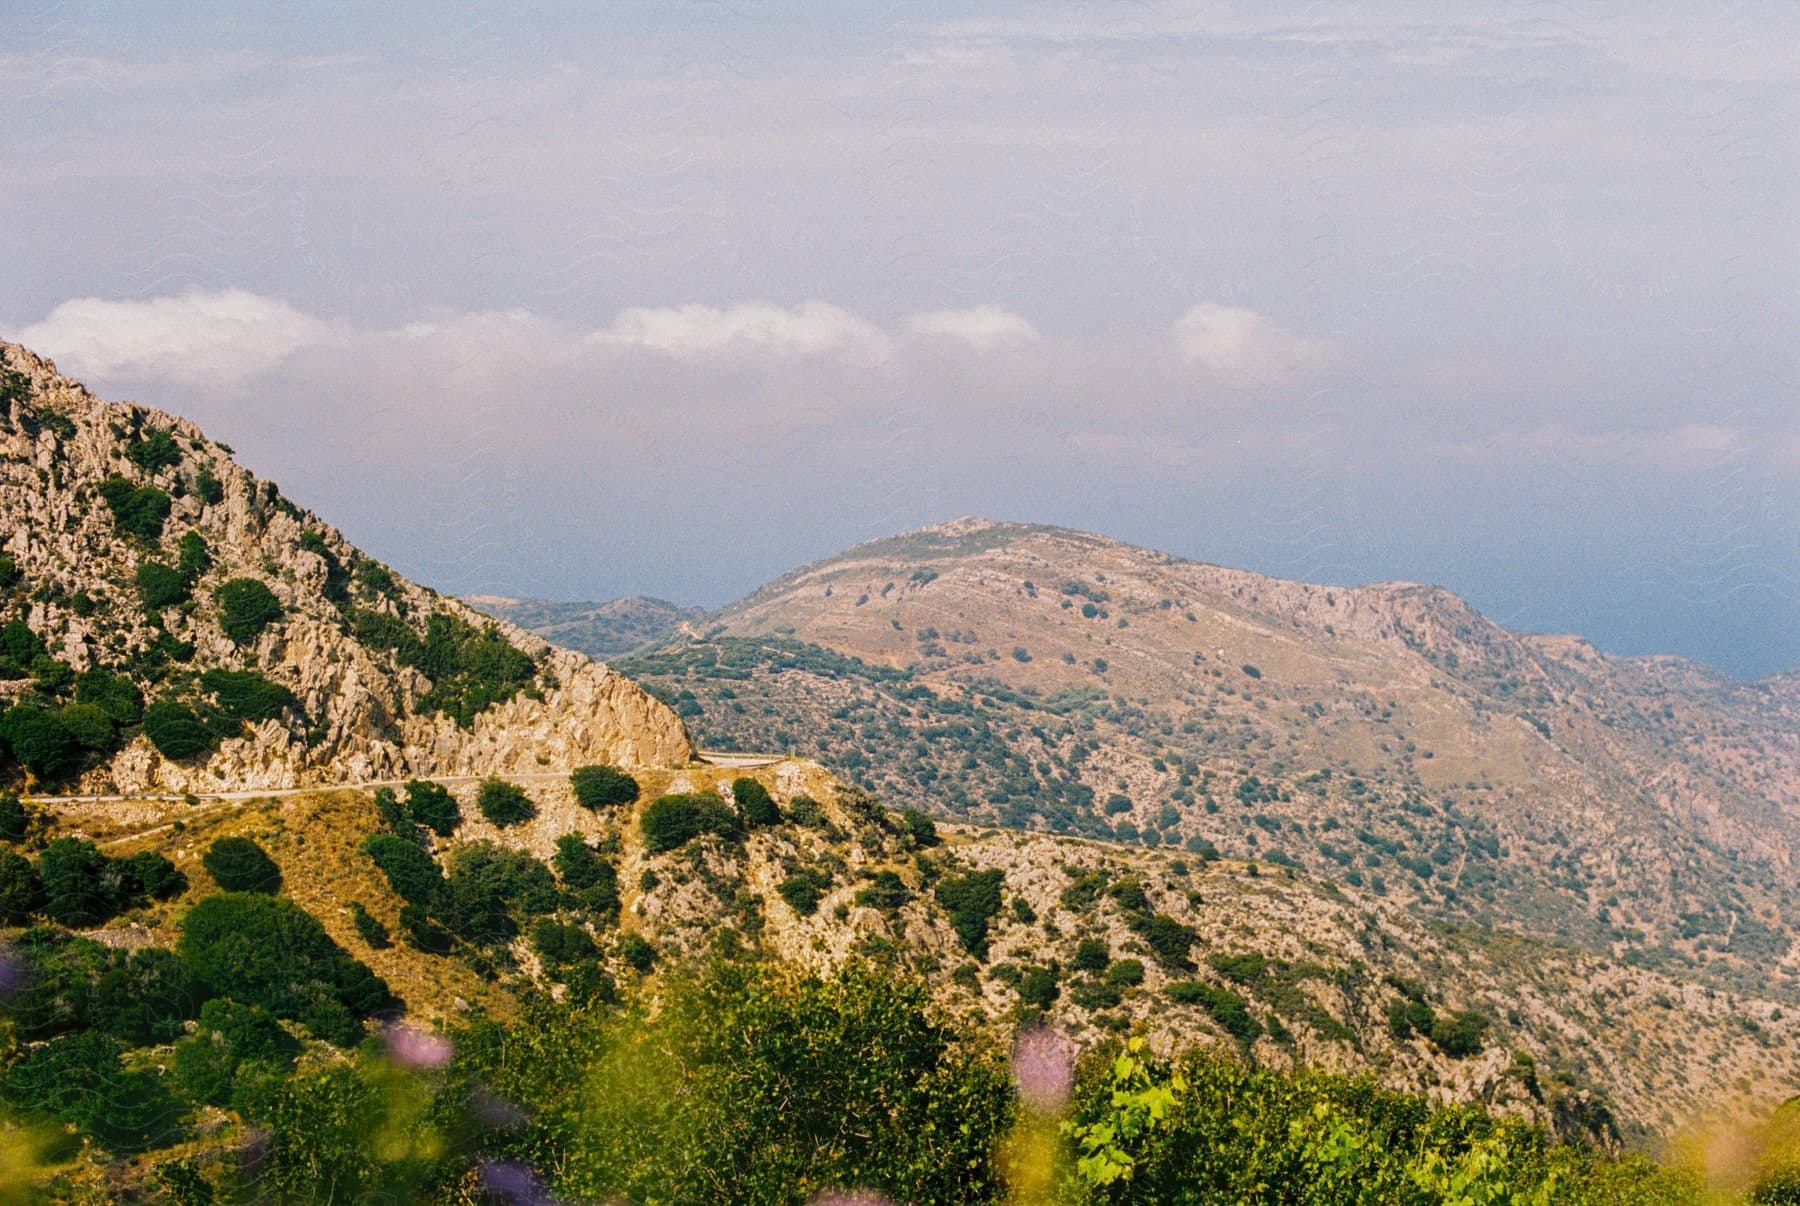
point(145, 996)
point(395, 818)
point(1091, 954)
point(10, 573)
point(1225, 1006)
point(1405, 1018)
point(40, 742)
point(754, 803)
point(489, 889)
point(432, 806)
point(804, 810)
point(559, 942)
point(230, 1038)
point(79, 1080)
point(155, 875)
point(176, 730)
point(1125, 973)
point(268, 951)
point(15, 822)
point(674, 820)
point(138, 511)
point(247, 695)
point(503, 803)
point(193, 558)
point(1169, 940)
point(919, 827)
point(1038, 987)
point(592, 882)
point(598, 787)
point(246, 607)
point(803, 890)
point(160, 585)
point(636, 950)
point(207, 485)
point(470, 669)
point(410, 870)
point(972, 900)
point(82, 887)
point(238, 864)
point(1461, 1034)
point(21, 891)
point(114, 694)
point(886, 891)
point(89, 725)
point(153, 451)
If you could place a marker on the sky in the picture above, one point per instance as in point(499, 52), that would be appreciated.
point(585, 301)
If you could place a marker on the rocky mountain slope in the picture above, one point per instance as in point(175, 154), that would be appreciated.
point(170, 621)
point(1388, 736)
point(1094, 938)
point(599, 630)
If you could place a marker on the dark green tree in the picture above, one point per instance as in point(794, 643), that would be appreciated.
point(598, 787)
point(246, 607)
point(503, 803)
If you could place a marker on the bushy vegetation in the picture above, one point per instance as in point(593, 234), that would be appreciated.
point(972, 900)
point(470, 668)
point(431, 805)
point(756, 807)
point(268, 951)
point(176, 730)
point(758, 1082)
point(248, 696)
point(598, 787)
point(137, 511)
point(503, 803)
point(246, 607)
point(674, 820)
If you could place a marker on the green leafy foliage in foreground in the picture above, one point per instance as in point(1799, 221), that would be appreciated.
point(760, 1083)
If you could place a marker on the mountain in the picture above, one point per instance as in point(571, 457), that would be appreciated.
point(171, 621)
point(205, 687)
point(599, 630)
point(1387, 736)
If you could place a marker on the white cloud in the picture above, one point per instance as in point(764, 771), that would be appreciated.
point(983, 328)
point(195, 338)
point(812, 328)
point(1244, 348)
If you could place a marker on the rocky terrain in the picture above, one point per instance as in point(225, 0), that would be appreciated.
point(172, 622)
point(1386, 736)
point(1098, 938)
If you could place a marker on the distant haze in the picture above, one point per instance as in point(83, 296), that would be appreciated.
point(590, 301)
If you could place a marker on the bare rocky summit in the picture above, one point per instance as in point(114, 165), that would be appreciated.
point(155, 588)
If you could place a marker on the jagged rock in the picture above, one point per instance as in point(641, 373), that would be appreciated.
point(364, 714)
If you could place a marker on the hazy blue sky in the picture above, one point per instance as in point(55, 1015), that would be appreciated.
point(583, 301)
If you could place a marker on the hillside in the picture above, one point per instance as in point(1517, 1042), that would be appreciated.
point(1098, 939)
point(600, 630)
point(168, 620)
point(1387, 736)
point(281, 804)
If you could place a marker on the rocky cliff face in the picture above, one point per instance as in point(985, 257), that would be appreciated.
point(122, 526)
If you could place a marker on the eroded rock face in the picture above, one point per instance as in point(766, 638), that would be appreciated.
point(363, 714)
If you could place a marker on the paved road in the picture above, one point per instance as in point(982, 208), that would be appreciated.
point(724, 761)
